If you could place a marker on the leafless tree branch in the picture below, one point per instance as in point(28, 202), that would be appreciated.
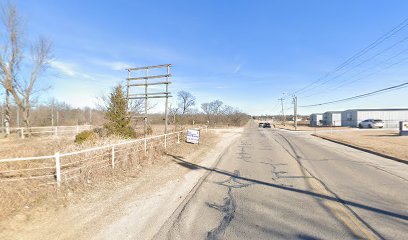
point(21, 88)
point(186, 100)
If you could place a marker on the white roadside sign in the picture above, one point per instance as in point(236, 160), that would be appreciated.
point(193, 136)
point(404, 126)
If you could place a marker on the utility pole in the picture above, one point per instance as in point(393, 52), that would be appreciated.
point(295, 111)
point(283, 112)
point(167, 100)
point(145, 102)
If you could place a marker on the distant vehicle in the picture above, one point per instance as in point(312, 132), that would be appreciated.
point(266, 125)
point(261, 124)
point(371, 123)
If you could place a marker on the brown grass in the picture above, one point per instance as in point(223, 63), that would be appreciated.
point(130, 161)
point(48, 145)
point(383, 141)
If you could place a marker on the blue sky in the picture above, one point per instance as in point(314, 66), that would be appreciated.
point(245, 53)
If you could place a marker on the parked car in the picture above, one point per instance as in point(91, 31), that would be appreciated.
point(371, 123)
point(261, 124)
point(266, 125)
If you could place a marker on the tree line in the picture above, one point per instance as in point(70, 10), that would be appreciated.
point(211, 113)
point(54, 113)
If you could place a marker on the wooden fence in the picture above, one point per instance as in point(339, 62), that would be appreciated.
point(62, 167)
point(23, 132)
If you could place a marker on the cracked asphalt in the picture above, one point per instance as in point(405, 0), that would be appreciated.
point(274, 184)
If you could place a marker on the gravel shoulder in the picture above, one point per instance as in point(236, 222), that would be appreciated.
point(135, 209)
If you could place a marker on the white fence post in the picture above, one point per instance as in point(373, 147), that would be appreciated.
point(113, 156)
point(22, 133)
point(145, 146)
point(56, 131)
point(77, 129)
point(165, 140)
point(178, 137)
point(58, 167)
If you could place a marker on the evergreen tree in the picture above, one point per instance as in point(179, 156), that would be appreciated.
point(118, 121)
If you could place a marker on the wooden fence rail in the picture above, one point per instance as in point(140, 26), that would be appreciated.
point(22, 132)
point(61, 167)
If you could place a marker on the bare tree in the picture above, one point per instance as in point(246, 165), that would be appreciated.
point(206, 109)
point(186, 100)
point(173, 111)
point(22, 88)
point(4, 129)
point(217, 107)
point(234, 116)
point(217, 111)
point(136, 106)
point(213, 109)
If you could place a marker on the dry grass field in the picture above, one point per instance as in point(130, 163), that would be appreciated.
point(383, 141)
point(17, 195)
point(31, 147)
point(119, 186)
point(14, 147)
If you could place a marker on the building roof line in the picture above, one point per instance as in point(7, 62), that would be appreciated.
point(378, 109)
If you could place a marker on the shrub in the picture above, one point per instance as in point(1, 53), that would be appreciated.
point(101, 132)
point(128, 132)
point(85, 136)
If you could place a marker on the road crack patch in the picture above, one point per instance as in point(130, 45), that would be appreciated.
point(228, 207)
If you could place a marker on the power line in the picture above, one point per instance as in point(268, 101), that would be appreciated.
point(350, 80)
point(273, 109)
point(361, 63)
point(384, 61)
point(371, 74)
point(393, 88)
point(378, 41)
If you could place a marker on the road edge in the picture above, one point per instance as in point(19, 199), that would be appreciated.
point(165, 227)
point(362, 149)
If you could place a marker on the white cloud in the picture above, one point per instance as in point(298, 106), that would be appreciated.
point(63, 67)
point(72, 70)
point(120, 66)
point(237, 68)
point(113, 65)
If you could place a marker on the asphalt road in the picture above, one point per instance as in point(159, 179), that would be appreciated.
point(274, 184)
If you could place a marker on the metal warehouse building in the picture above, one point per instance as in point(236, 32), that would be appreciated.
point(391, 117)
point(332, 118)
point(316, 119)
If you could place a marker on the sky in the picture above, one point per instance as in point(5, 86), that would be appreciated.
point(247, 54)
